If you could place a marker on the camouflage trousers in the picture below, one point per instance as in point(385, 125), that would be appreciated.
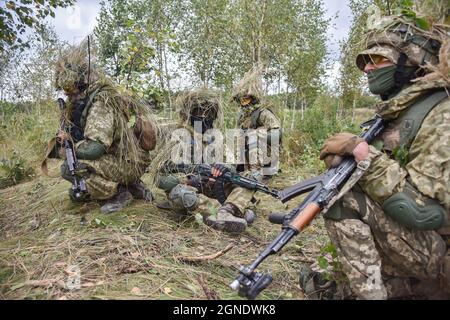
point(107, 173)
point(381, 258)
point(241, 198)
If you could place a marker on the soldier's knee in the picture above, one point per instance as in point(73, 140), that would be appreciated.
point(167, 183)
point(183, 197)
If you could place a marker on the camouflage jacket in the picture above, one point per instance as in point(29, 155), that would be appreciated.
point(108, 124)
point(265, 118)
point(427, 167)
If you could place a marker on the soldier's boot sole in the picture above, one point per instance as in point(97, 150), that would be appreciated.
point(234, 226)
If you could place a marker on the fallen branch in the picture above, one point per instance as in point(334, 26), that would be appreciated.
point(45, 283)
point(208, 257)
point(210, 294)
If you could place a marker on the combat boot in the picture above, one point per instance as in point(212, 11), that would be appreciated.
point(315, 286)
point(140, 191)
point(226, 220)
point(118, 202)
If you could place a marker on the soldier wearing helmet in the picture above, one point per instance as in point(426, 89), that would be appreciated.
point(255, 117)
point(112, 157)
point(392, 229)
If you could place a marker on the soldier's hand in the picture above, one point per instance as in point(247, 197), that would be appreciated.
point(219, 169)
point(341, 145)
point(62, 136)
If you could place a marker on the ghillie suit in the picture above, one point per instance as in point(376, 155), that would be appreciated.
point(111, 131)
point(259, 127)
point(391, 229)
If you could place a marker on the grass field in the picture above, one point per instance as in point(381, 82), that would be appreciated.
point(53, 249)
point(139, 253)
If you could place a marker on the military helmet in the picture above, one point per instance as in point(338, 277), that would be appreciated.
point(202, 100)
point(394, 35)
point(250, 85)
point(72, 68)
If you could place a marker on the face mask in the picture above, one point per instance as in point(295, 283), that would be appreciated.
point(201, 124)
point(382, 80)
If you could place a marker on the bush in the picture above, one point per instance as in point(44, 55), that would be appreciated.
point(14, 170)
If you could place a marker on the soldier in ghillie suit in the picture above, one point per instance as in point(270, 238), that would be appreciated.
point(255, 115)
point(200, 111)
point(111, 132)
point(391, 229)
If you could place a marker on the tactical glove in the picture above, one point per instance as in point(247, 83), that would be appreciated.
point(338, 146)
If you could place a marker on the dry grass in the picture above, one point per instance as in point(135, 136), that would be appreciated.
point(139, 253)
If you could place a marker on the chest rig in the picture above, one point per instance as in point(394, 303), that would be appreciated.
point(80, 109)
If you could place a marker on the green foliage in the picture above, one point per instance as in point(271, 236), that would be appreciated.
point(329, 258)
point(303, 140)
point(14, 170)
point(19, 16)
point(134, 43)
point(401, 154)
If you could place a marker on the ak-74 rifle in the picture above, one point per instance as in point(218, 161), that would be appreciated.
point(204, 172)
point(78, 184)
point(323, 192)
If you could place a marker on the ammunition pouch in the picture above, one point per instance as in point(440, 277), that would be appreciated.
point(183, 198)
point(274, 135)
point(340, 212)
point(417, 214)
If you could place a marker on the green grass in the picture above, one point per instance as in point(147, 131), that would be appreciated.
point(139, 253)
point(134, 254)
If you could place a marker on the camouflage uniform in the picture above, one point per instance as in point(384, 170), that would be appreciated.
point(381, 257)
point(102, 125)
point(259, 117)
point(206, 202)
point(107, 172)
point(242, 198)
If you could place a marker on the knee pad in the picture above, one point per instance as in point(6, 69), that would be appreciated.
point(402, 208)
point(167, 183)
point(183, 198)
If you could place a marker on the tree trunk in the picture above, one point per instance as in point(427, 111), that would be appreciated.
point(353, 110)
point(166, 71)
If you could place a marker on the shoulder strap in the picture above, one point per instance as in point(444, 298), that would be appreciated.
point(412, 119)
point(254, 118)
point(88, 105)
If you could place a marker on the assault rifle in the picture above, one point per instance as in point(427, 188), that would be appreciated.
point(323, 189)
point(78, 184)
point(204, 171)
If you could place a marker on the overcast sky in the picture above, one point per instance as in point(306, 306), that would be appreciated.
point(75, 23)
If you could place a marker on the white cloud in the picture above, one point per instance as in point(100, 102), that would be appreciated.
point(75, 23)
